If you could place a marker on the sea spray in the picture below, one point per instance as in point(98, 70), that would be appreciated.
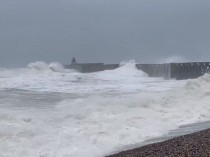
point(59, 113)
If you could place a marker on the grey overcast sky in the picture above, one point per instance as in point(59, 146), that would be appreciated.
point(103, 30)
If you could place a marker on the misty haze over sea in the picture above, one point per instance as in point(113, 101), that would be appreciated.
point(108, 31)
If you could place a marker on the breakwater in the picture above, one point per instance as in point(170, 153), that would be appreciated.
point(177, 71)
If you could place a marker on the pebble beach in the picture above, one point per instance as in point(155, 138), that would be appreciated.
point(192, 145)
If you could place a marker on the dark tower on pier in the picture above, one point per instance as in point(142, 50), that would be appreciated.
point(73, 61)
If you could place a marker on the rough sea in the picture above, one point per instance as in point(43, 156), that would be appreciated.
point(48, 111)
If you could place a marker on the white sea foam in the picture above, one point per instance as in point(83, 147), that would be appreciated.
point(39, 65)
point(40, 77)
point(113, 109)
point(42, 66)
point(127, 72)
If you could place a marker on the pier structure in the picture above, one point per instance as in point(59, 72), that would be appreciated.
point(177, 71)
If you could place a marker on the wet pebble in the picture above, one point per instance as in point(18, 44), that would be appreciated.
point(192, 145)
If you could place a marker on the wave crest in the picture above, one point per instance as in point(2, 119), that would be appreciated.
point(127, 72)
point(42, 66)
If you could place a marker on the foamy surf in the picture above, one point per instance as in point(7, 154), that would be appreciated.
point(69, 114)
point(39, 76)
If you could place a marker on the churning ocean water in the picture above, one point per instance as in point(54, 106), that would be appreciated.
point(48, 111)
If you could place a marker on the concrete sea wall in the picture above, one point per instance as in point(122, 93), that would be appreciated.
point(189, 70)
point(86, 67)
point(177, 71)
point(156, 70)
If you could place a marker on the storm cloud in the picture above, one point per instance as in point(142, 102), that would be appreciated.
point(103, 30)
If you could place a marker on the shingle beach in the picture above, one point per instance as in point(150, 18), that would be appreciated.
point(191, 145)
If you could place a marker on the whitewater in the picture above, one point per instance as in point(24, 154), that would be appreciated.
point(49, 111)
